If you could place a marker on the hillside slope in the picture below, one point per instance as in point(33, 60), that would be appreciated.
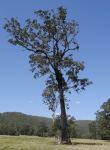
point(21, 120)
point(83, 128)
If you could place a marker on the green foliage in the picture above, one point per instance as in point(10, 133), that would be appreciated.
point(14, 123)
point(42, 129)
point(21, 124)
point(51, 40)
point(103, 121)
point(83, 128)
point(71, 126)
point(92, 129)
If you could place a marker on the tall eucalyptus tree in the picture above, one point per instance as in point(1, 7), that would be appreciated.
point(51, 40)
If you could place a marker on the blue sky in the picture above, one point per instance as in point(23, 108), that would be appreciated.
point(20, 92)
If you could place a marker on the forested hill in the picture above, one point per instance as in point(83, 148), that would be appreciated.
point(83, 128)
point(14, 122)
point(20, 119)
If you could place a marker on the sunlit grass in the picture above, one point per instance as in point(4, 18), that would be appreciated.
point(38, 143)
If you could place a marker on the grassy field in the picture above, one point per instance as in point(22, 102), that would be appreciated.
point(37, 143)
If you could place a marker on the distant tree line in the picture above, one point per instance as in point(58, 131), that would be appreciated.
point(100, 128)
point(26, 129)
point(14, 123)
point(21, 124)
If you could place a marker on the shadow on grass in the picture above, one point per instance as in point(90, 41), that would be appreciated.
point(77, 143)
point(82, 143)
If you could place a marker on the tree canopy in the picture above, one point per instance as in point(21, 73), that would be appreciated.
point(103, 120)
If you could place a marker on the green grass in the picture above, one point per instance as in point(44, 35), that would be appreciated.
point(38, 143)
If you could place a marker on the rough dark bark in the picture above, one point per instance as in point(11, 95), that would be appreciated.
point(65, 137)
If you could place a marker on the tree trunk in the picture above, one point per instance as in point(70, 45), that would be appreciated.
point(65, 137)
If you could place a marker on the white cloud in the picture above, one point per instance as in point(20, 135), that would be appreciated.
point(77, 102)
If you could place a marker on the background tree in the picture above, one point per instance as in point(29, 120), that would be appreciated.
point(103, 121)
point(50, 39)
point(72, 127)
point(92, 130)
point(42, 129)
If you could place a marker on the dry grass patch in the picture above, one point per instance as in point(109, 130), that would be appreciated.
point(38, 143)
